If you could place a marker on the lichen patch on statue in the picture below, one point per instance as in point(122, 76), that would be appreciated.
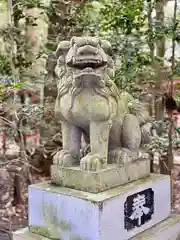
point(89, 104)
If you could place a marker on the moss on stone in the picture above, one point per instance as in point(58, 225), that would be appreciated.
point(49, 213)
point(99, 197)
point(64, 226)
point(76, 238)
point(43, 231)
point(51, 217)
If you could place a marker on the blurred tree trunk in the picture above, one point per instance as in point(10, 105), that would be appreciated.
point(160, 51)
point(160, 44)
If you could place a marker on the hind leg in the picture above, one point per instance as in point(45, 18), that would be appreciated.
point(130, 142)
point(131, 133)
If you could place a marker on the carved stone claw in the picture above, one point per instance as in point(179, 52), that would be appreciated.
point(64, 158)
point(92, 162)
point(121, 156)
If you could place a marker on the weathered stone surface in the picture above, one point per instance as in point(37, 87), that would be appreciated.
point(90, 104)
point(64, 213)
point(101, 180)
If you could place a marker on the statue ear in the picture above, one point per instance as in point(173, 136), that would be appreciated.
point(72, 41)
point(106, 46)
point(63, 47)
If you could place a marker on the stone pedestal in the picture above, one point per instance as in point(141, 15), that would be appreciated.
point(95, 182)
point(120, 213)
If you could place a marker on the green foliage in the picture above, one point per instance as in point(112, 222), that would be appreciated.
point(5, 90)
point(89, 18)
point(5, 66)
point(12, 36)
point(16, 85)
point(61, 22)
point(67, 19)
point(125, 25)
point(124, 16)
point(122, 23)
point(30, 4)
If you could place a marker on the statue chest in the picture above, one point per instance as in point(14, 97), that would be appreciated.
point(86, 106)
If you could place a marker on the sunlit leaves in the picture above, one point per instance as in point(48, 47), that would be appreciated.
point(5, 67)
point(125, 15)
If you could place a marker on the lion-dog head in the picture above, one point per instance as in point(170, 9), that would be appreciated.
point(85, 62)
point(88, 60)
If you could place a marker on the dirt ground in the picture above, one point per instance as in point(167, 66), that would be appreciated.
point(18, 215)
point(176, 189)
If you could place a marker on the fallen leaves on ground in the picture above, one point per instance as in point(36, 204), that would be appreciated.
point(15, 217)
point(176, 189)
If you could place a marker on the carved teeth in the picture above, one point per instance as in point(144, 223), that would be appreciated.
point(88, 69)
point(86, 63)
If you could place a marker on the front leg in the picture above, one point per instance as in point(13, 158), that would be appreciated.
point(99, 138)
point(70, 154)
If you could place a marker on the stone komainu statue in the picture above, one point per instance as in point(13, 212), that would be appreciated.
point(89, 104)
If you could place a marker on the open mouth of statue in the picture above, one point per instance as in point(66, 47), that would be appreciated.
point(88, 64)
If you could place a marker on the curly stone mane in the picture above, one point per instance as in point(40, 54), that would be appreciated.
point(65, 75)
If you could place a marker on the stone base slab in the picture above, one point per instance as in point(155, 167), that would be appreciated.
point(25, 234)
point(62, 213)
point(94, 182)
point(168, 229)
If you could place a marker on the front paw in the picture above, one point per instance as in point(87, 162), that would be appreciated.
point(121, 156)
point(64, 158)
point(92, 162)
